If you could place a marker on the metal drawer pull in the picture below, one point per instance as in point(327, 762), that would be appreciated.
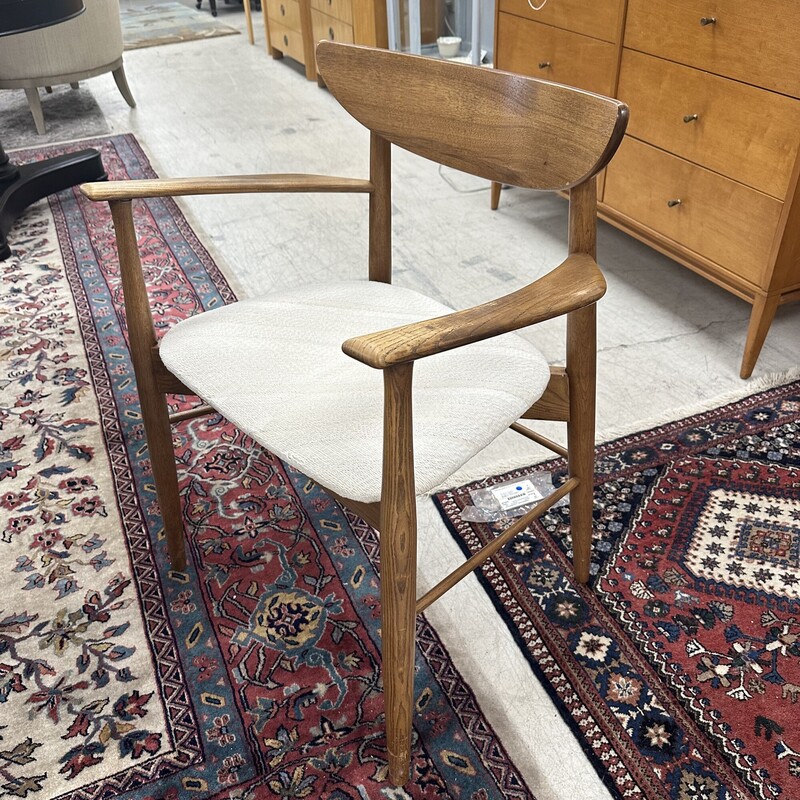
point(330, 33)
point(285, 39)
point(544, 64)
point(283, 11)
point(690, 118)
point(673, 203)
point(708, 20)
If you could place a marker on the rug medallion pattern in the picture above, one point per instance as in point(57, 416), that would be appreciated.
point(255, 674)
point(680, 664)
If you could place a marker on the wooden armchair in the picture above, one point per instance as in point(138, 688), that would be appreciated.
point(345, 417)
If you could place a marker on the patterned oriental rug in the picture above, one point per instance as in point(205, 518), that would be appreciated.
point(253, 675)
point(678, 668)
point(168, 23)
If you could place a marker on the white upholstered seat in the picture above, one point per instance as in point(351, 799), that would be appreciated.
point(322, 411)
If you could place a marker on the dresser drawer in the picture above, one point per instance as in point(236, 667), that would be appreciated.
point(542, 51)
point(287, 40)
point(754, 42)
point(339, 9)
point(662, 95)
point(724, 221)
point(600, 18)
point(330, 28)
point(285, 12)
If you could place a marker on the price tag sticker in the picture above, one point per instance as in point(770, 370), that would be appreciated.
point(513, 495)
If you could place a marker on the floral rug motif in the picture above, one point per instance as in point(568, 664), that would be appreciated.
point(253, 675)
point(678, 667)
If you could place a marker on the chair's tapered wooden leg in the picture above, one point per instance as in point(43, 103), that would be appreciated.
point(581, 369)
point(165, 473)
point(142, 340)
point(398, 570)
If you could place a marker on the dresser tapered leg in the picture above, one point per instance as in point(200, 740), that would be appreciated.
point(764, 308)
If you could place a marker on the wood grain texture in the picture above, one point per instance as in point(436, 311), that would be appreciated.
point(761, 154)
point(599, 19)
point(498, 126)
point(398, 551)
point(553, 54)
point(581, 371)
point(380, 210)
point(369, 23)
point(340, 9)
point(228, 184)
point(155, 414)
point(728, 223)
point(738, 157)
point(761, 317)
point(324, 26)
point(581, 368)
point(286, 41)
point(754, 43)
point(284, 12)
point(575, 283)
point(554, 402)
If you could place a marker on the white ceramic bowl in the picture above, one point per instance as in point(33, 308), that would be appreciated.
point(448, 46)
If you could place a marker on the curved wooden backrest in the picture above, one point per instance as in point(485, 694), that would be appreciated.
point(497, 125)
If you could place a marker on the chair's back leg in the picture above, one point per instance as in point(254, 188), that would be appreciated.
point(581, 367)
point(398, 569)
point(581, 371)
point(155, 415)
point(380, 210)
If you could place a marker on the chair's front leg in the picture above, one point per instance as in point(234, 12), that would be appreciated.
point(398, 569)
point(581, 370)
point(155, 414)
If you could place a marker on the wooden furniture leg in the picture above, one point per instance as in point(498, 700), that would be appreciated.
point(496, 189)
point(764, 308)
point(582, 374)
point(581, 368)
point(270, 49)
point(398, 569)
point(248, 15)
point(142, 341)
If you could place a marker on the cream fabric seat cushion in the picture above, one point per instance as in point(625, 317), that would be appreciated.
point(274, 367)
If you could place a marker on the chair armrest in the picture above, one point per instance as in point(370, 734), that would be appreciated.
point(228, 184)
point(575, 283)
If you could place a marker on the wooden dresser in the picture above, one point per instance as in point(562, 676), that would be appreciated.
point(293, 27)
point(708, 171)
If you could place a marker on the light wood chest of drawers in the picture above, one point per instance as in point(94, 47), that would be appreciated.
point(293, 27)
point(708, 171)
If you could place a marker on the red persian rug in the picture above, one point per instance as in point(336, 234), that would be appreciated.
point(678, 667)
point(253, 675)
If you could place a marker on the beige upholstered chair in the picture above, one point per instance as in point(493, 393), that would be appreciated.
point(322, 375)
point(88, 45)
